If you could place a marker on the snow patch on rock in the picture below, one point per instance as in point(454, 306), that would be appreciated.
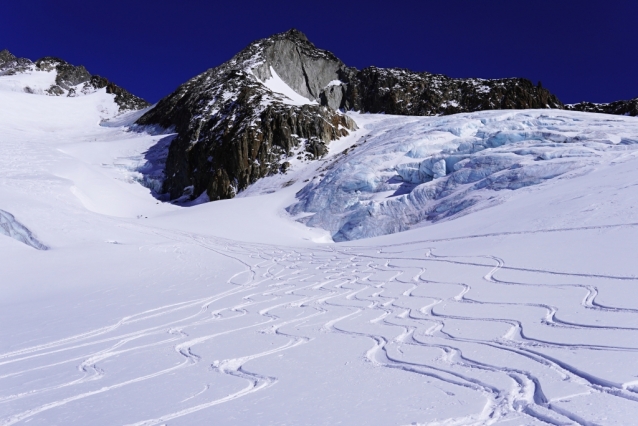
point(277, 85)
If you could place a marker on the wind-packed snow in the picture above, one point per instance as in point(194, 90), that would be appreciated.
point(31, 81)
point(232, 312)
point(408, 171)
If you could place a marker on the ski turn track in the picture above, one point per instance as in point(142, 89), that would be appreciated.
point(473, 332)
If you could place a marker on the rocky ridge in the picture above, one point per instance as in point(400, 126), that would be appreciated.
point(70, 80)
point(233, 127)
point(404, 92)
point(629, 107)
point(10, 64)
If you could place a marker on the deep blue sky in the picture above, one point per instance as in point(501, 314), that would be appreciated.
point(580, 50)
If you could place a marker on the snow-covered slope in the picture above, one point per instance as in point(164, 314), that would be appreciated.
point(146, 313)
point(56, 77)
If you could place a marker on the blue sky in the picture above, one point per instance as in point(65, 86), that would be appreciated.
point(580, 50)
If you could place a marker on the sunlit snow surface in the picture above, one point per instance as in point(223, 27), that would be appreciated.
point(226, 313)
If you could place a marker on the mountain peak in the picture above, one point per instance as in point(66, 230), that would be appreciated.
point(10, 63)
point(292, 34)
point(49, 62)
point(6, 56)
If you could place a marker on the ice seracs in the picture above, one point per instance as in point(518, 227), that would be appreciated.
point(409, 171)
point(10, 227)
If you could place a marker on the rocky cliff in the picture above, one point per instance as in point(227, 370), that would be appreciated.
point(403, 92)
point(282, 97)
point(246, 118)
point(10, 64)
point(70, 80)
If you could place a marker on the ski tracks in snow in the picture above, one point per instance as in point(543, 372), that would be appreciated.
point(510, 341)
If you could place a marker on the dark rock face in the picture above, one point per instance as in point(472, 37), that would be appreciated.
point(403, 92)
point(67, 75)
point(629, 107)
point(126, 100)
point(232, 129)
point(68, 78)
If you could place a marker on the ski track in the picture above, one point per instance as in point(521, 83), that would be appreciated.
point(395, 301)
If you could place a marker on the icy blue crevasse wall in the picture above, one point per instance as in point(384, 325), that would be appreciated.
point(10, 227)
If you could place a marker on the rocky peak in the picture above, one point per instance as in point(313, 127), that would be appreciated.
point(244, 119)
point(305, 68)
point(10, 64)
point(291, 34)
point(6, 56)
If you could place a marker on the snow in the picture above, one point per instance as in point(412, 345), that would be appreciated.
point(277, 85)
point(147, 313)
point(33, 80)
point(334, 83)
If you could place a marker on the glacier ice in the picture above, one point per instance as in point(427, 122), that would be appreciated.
point(410, 170)
point(10, 227)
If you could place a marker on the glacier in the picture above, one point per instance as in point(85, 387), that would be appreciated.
point(410, 171)
point(10, 227)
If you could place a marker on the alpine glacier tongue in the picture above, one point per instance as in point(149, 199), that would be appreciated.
point(406, 171)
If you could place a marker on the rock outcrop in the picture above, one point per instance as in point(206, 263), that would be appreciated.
point(234, 126)
point(629, 107)
point(403, 92)
point(70, 80)
point(10, 64)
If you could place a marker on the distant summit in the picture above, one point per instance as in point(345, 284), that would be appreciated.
point(629, 107)
point(10, 64)
point(69, 80)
